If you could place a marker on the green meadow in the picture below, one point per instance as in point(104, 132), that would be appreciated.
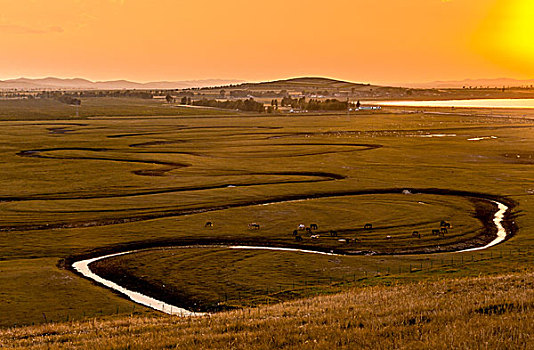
point(130, 174)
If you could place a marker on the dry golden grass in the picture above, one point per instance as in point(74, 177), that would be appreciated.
point(492, 312)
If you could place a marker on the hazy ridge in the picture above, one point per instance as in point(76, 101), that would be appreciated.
point(78, 83)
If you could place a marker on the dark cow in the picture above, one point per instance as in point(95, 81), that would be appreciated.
point(314, 226)
point(254, 226)
point(444, 230)
point(445, 224)
point(436, 232)
point(309, 230)
point(416, 234)
point(295, 232)
point(333, 233)
point(368, 226)
point(298, 238)
point(208, 224)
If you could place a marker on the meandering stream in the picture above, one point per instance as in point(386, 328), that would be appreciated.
point(83, 267)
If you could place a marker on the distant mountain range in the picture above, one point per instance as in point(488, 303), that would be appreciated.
point(499, 82)
point(295, 83)
point(84, 84)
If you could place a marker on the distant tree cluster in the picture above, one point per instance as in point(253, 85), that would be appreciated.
point(169, 98)
point(258, 94)
point(185, 100)
point(239, 93)
point(98, 93)
point(69, 100)
point(249, 105)
point(316, 105)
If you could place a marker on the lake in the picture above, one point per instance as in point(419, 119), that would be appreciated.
point(480, 103)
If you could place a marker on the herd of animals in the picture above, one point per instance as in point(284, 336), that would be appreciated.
point(444, 228)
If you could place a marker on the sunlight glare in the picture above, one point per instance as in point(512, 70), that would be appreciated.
point(506, 36)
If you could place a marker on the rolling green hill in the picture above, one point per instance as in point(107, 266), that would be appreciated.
point(319, 87)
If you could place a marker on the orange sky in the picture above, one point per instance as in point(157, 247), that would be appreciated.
point(378, 41)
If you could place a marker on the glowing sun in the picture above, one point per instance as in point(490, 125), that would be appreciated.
point(507, 35)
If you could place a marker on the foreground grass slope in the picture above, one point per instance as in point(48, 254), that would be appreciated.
point(492, 312)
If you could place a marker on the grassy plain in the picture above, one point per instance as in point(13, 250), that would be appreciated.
point(138, 177)
point(51, 109)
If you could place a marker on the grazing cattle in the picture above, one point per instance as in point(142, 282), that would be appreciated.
point(445, 224)
point(208, 224)
point(315, 237)
point(295, 232)
point(333, 233)
point(416, 234)
point(254, 226)
point(444, 230)
point(302, 227)
point(343, 240)
point(314, 226)
point(368, 226)
point(308, 230)
point(436, 232)
point(389, 237)
point(298, 238)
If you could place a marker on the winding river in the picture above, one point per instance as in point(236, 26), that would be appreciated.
point(83, 267)
point(501, 231)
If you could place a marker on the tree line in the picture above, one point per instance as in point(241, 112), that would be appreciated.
point(316, 105)
point(248, 105)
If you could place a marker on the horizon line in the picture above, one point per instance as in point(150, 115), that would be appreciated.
point(245, 81)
